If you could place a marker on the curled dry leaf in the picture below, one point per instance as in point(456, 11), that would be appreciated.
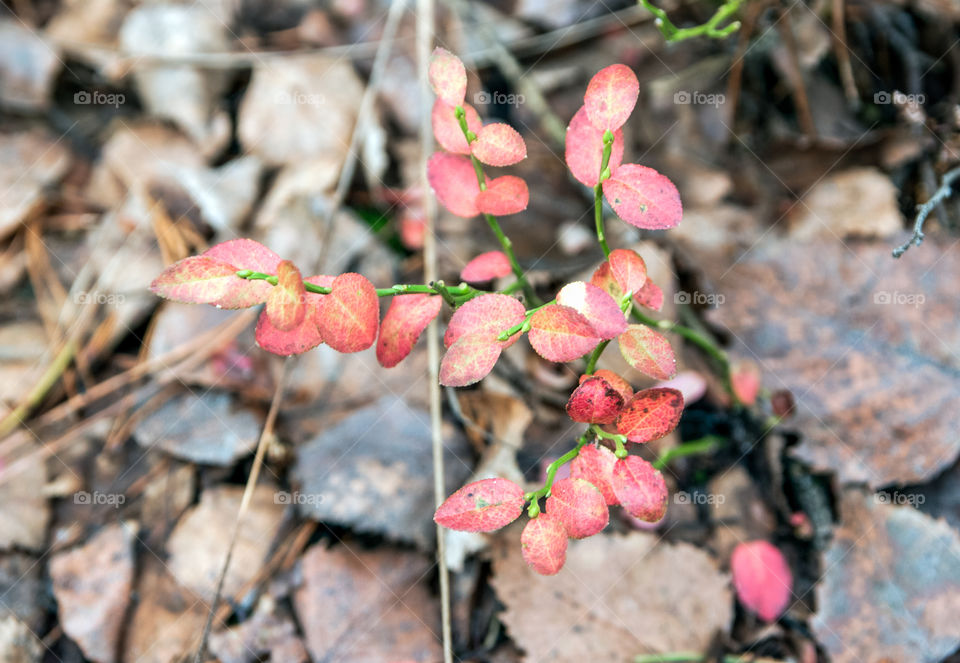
point(544, 544)
point(402, 325)
point(611, 96)
point(595, 464)
point(448, 77)
point(454, 182)
point(584, 149)
point(499, 144)
point(482, 506)
point(762, 578)
point(579, 505)
point(446, 127)
point(598, 307)
point(643, 197)
point(349, 316)
point(560, 334)
point(648, 351)
point(595, 401)
point(640, 488)
point(486, 267)
point(651, 414)
point(486, 315)
point(504, 195)
point(286, 303)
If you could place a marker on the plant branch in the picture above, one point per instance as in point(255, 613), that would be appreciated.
point(923, 211)
point(709, 29)
point(701, 446)
point(598, 191)
point(534, 497)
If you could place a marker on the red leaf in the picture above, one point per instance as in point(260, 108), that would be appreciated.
point(499, 144)
point(197, 280)
point(643, 197)
point(305, 336)
point(651, 414)
point(584, 149)
point(603, 279)
point(504, 195)
point(446, 127)
point(469, 360)
point(610, 97)
point(595, 401)
point(598, 307)
point(486, 267)
point(745, 380)
point(402, 325)
point(650, 296)
point(559, 333)
point(595, 464)
point(640, 488)
point(286, 303)
point(349, 316)
point(580, 507)
point(628, 270)
point(454, 182)
point(762, 579)
point(486, 316)
point(621, 385)
point(543, 543)
point(245, 254)
point(448, 77)
point(481, 506)
point(648, 351)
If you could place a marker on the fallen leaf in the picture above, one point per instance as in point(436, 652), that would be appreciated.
point(269, 631)
point(859, 202)
point(28, 64)
point(46, 160)
point(18, 644)
point(25, 509)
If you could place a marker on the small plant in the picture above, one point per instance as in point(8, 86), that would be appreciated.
point(343, 312)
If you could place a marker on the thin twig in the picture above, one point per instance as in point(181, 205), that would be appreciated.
point(843, 54)
point(923, 211)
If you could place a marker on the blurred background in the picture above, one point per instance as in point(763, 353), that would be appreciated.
point(135, 133)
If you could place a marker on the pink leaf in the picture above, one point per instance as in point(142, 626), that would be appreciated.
point(579, 505)
point(584, 149)
point(481, 506)
point(454, 182)
point(504, 195)
point(446, 127)
point(349, 316)
point(640, 488)
point(617, 382)
point(448, 77)
point(762, 579)
point(402, 325)
point(559, 333)
point(486, 267)
point(469, 360)
point(487, 316)
point(650, 296)
point(745, 380)
point(595, 464)
point(543, 543)
point(499, 144)
point(245, 254)
point(648, 351)
point(197, 280)
point(286, 303)
point(598, 307)
point(610, 97)
point(595, 401)
point(603, 279)
point(297, 340)
point(643, 197)
point(628, 270)
point(651, 414)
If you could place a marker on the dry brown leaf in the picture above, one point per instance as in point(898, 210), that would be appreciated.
point(21, 589)
point(29, 162)
point(268, 631)
point(28, 63)
point(198, 545)
point(891, 585)
point(18, 644)
point(359, 606)
point(616, 597)
point(25, 509)
point(860, 202)
point(92, 587)
point(867, 344)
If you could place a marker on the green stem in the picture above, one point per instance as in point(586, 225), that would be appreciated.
point(525, 325)
point(701, 446)
point(608, 138)
point(534, 510)
point(594, 357)
point(708, 29)
point(619, 440)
